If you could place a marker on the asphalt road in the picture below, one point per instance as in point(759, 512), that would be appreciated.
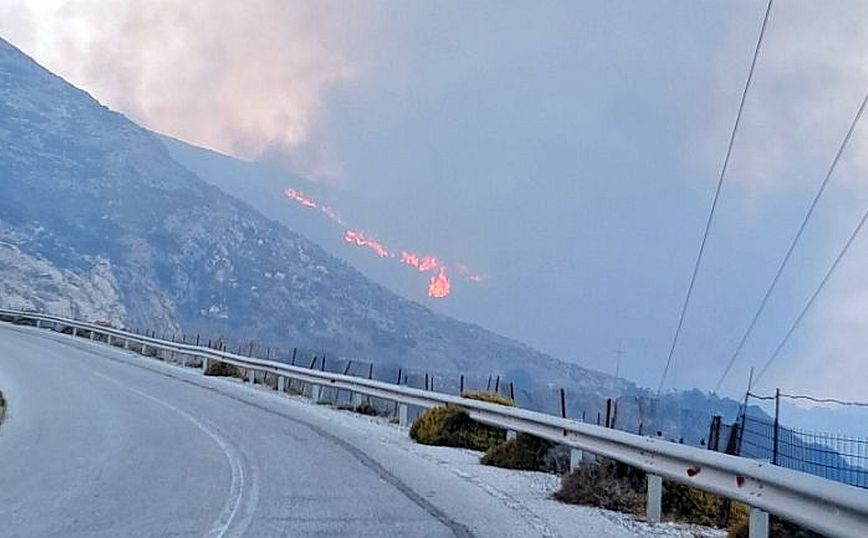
point(101, 442)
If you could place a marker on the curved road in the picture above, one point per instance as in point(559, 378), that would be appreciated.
point(99, 442)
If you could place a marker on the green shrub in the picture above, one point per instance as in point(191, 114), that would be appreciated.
point(608, 484)
point(484, 396)
point(525, 452)
point(224, 369)
point(451, 426)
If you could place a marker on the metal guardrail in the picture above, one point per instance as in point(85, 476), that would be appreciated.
point(827, 507)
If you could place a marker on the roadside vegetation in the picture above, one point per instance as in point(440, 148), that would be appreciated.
point(605, 484)
point(2, 407)
point(447, 425)
point(451, 426)
point(224, 369)
point(614, 486)
point(524, 453)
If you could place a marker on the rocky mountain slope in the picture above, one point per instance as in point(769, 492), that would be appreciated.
point(97, 201)
point(98, 221)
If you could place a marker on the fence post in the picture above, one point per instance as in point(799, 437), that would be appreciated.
point(758, 523)
point(654, 500)
point(714, 433)
point(744, 412)
point(776, 433)
point(461, 385)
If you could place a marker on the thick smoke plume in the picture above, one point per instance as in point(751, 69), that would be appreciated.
point(245, 78)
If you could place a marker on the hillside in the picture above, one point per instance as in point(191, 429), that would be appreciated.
point(131, 235)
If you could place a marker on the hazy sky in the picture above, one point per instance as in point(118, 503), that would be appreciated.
point(567, 149)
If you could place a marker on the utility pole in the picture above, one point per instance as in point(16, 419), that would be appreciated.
point(618, 354)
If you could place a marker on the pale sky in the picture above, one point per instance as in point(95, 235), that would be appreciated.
point(568, 150)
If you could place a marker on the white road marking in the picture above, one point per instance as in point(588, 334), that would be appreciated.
point(220, 526)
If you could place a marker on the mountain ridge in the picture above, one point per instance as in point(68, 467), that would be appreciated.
point(187, 256)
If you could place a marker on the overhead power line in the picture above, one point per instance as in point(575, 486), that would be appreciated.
point(814, 296)
point(716, 196)
point(844, 143)
point(810, 399)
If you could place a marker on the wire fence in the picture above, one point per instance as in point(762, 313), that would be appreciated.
point(842, 458)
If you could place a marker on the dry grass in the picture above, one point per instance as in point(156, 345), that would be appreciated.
point(609, 484)
point(485, 396)
point(224, 369)
point(524, 453)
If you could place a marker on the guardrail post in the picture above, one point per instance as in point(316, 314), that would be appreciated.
point(92, 337)
point(281, 384)
point(356, 399)
point(126, 344)
point(251, 376)
point(206, 362)
point(315, 393)
point(758, 523)
point(144, 349)
point(511, 435)
point(576, 457)
point(403, 415)
point(38, 324)
point(654, 502)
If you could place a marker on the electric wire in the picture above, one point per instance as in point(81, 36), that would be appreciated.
point(814, 296)
point(714, 201)
point(762, 305)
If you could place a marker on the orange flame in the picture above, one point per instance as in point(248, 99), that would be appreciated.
point(359, 239)
point(299, 197)
point(439, 285)
point(423, 264)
